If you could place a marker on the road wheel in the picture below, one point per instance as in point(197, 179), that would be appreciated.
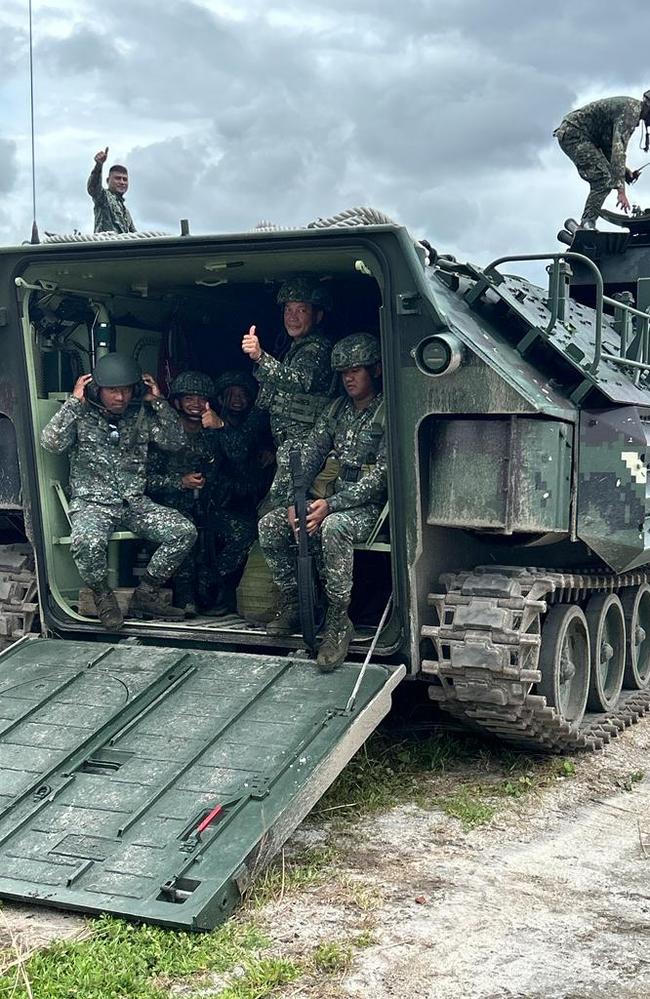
point(564, 662)
point(636, 607)
point(606, 623)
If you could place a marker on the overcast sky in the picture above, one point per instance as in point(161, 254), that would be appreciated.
point(228, 112)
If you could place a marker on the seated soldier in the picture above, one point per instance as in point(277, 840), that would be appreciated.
point(107, 424)
point(244, 475)
point(352, 428)
point(183, 480)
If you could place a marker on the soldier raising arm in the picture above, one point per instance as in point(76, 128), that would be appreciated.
point(111, 213)
point(294, 388)
point(107, 424)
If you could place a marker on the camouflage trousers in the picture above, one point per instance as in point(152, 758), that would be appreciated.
point(592, 165)
point(332, 546)
point(222, 551)
point(93, 524)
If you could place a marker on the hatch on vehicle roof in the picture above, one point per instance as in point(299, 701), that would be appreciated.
point(153, 783)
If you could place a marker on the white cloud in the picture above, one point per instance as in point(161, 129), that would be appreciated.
point(439, 114)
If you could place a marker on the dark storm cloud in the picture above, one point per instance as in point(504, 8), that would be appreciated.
point(85, 51)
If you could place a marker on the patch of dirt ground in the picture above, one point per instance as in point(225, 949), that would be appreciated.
point(549, 900)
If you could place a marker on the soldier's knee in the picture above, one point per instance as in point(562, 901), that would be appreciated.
point(335, 527)
point(87, 547)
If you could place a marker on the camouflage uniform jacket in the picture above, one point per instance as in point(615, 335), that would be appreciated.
point(199, 453)
point(609, 124)
point(241, 479)
point(111, 213)
point(103, 471)
point(295, 389)
point(356, 438)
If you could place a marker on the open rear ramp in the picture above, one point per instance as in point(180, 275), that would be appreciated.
point(153, 783)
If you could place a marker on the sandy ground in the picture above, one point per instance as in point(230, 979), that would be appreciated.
point(550, 899)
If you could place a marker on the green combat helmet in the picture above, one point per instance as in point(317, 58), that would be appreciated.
point(241, 378)
point(116, 370)
point(355, 351)
point(304, 288)
point(192, 383)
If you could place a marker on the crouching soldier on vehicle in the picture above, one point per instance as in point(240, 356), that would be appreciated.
point(184, 480)
point(295, 384)
point(107, 424)
point(352, 428)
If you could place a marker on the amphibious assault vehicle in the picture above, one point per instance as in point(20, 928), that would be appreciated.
point(152, 773)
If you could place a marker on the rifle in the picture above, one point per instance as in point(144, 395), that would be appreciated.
point(305, 574)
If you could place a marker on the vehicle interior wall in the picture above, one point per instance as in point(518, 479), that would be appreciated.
point(171, 317)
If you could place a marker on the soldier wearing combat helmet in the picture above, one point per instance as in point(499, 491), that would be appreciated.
point(108, 424)
point(352, 428)
point(185, 479)
point(595, 138)
point(294, 386)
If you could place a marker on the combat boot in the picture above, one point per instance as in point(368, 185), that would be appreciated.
point(108, 609)
point(339, 632)
point(286, 620)
point(147, 602)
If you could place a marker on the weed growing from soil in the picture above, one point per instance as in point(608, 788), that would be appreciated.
point(303, 870)
point(331, 957)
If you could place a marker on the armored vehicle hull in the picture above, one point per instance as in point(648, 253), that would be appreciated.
point(512, 553)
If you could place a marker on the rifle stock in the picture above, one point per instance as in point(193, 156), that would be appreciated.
point(305, 574)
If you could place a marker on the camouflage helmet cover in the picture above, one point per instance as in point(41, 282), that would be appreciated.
point(235, 377)
point(304, 288)
point(355, 351)
point(116, 370)
point(192, 383)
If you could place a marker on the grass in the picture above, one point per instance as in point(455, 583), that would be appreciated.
point(303, 870)
point(121, 960)
point(331, 957)
point(387, 772)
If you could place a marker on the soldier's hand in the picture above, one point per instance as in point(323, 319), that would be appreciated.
point(210, 420)
point(193, 480)
point(293, 521)
point(631, 176)
point(154, 392)
point(79, 390)
point(317, 511)
point(251, 344)
point(621, 200)
point(101, 156)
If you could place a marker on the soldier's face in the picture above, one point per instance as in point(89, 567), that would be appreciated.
point(358, 384)
point(299, 318)
point(116, 399)
point(236, 399)
point(118, 182)
point(192, 406)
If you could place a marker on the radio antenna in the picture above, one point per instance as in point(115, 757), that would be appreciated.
point(35, 237)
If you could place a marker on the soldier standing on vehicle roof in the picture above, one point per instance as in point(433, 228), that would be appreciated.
point(295, 386)
point(595, 138)
point(353, 429)
point(107, 424)
point(111, 213)
point(184, 479)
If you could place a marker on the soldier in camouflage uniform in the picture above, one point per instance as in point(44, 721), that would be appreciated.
point(244, 475)
point(111, 213)
point(352, 429)
point(295, 387)
point(184, 480)
point(107, 424)
point(595, 138)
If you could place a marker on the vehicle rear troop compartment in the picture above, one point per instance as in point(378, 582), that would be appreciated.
point(174, 310)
